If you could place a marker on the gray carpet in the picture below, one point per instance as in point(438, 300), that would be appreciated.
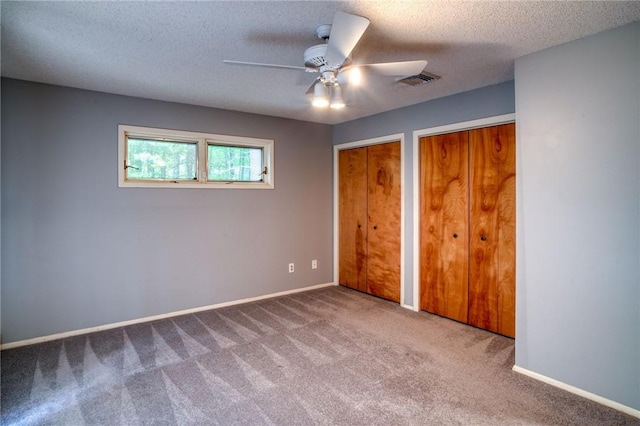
point(329, 356)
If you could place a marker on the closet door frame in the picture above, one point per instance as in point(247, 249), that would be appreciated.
point(431, 131)
point(336, 203)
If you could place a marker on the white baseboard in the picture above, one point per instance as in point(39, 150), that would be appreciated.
point(588, 395)
point(57, 336)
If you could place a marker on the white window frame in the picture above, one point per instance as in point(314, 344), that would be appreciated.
point(203, 140)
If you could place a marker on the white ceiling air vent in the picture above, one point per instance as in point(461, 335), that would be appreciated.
point(414, 80)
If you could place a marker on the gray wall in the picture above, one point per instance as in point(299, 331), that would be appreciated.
point(77, 251)
point(578, 253)
point(481, 103)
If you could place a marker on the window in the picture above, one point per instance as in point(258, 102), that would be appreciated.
point(161, 158)
point(234, 163)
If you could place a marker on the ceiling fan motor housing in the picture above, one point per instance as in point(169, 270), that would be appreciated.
point(314, 56)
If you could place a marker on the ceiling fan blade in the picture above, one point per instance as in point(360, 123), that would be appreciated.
point(310, 89)
point(256, 64)
point(396, 68)
point(346, 31)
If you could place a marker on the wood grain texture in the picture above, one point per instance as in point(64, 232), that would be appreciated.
point(483, 259)
point(492, 175)
point(383, 259)
point(507, 231)
point(444, 211)
point(471, 278)
point(352, 245)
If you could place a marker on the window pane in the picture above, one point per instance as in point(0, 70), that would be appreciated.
point(234, 163)
point(153, 159)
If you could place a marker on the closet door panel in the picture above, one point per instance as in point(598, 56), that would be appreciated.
point(383, 272)
point(483, 237)
point(444, 208)
point(507, 230)
point(352, 245)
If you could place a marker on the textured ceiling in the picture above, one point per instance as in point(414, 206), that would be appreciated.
point(173, 51)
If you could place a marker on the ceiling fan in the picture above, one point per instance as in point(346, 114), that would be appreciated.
point(332, 60)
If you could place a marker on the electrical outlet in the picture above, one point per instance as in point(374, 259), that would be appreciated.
point(291, 267)
point(314, 264)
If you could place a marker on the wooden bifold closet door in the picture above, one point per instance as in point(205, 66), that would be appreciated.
point(369, 219)
point(444, 231)
point(467, 227)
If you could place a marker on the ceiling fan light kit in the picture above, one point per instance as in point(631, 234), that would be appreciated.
point(352, 76)
point(320, 95)
point(333, 61)
point(327, 95)
point(336, 97)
